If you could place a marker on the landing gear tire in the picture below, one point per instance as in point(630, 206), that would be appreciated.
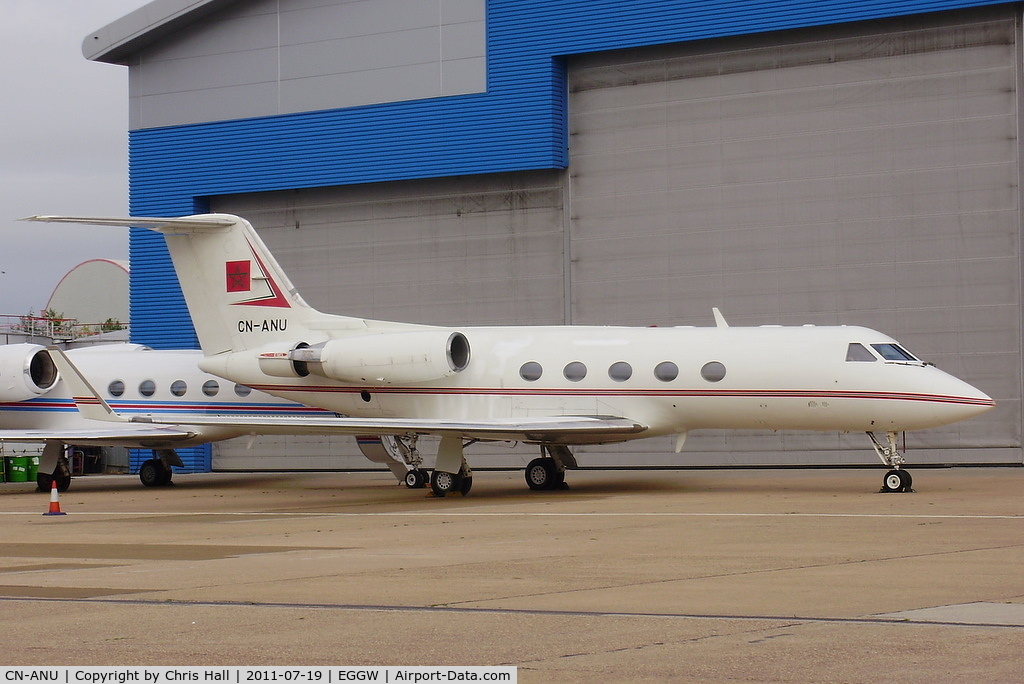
point(415, 479)
point(153, 473)
point(149, 473)
point(441, 482)
point(897, 481)
point(559, 481)
point(62, 474)
point(542, 473)
point(465, 484)
point(45, 482)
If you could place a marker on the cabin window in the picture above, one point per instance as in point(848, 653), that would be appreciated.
point(666, 371)
point(858, 352)
point(530, 371)
point(178, 388)
point(575, 371)
point(620, 371)
point(116, 388)
point(713, 371)
point(242, 390)
point(211, 387)
point(893, 352)
point(147, 388)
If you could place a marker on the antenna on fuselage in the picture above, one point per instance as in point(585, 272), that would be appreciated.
point(720, 321)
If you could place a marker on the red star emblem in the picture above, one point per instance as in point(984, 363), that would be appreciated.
point(238, 276)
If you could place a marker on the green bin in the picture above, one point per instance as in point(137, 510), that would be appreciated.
point(33, 468)
point(17, 470)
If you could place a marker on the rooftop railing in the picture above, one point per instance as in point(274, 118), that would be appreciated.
point(31, 328)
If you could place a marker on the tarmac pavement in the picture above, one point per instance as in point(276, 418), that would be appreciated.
point(683, 576)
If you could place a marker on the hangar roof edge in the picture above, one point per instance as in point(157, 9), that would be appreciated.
point(116, 41)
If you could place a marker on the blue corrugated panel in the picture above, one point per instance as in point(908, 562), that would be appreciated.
point(196, 459)
point(158, 309)
point(518, 124)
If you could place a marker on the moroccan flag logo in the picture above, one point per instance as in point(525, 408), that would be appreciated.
point(238, 276)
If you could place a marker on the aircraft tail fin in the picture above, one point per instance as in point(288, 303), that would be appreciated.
point(238, 295)
point(89, 402)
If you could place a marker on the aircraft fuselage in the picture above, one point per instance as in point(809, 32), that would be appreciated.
point(670, 379)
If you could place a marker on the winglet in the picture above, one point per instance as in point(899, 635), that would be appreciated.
point(719, 318)
point(86, 398)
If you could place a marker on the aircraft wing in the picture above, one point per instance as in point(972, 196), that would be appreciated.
point(129, 433)
point(547, 430)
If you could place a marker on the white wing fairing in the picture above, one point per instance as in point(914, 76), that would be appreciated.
point(554, 386)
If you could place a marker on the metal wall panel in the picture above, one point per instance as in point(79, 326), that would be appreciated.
point(860, 178)
point(266, 58)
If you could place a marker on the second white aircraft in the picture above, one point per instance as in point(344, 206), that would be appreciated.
point(554, 386)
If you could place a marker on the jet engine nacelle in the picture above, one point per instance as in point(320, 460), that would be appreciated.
point(276, 361)
point(26, 371)
point(387, 358)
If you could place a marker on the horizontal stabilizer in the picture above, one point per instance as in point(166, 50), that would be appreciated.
point(152, 223)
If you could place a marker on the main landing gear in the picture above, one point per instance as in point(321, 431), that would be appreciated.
point(451, 472)
point(156, 472)
point(53, 465)
point(548, 471)
point(441, 482)
point(897, 479)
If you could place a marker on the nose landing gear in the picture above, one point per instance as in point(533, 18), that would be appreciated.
point(897, 479)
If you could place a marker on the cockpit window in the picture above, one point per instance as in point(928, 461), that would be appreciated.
point(858, 352)
point(893, 352)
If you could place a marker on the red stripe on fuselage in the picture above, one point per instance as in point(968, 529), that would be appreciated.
point(667, 393)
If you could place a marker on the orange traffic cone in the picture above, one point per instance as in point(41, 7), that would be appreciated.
point(54, 500)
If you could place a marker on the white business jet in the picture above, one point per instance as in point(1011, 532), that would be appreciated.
point(36, 405)
point(554, 386)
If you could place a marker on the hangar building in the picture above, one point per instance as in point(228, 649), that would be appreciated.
point(468, 162)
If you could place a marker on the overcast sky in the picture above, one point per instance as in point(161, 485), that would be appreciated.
point(63, 144)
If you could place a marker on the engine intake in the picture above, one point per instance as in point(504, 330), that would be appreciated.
point(26, 371)
point(387, 358)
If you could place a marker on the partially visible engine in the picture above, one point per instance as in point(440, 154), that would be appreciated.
point(278, 362)
point(387, 358)
point(26, 371)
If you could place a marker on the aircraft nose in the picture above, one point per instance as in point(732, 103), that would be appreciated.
point(960, 399)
